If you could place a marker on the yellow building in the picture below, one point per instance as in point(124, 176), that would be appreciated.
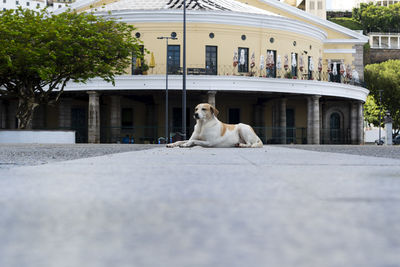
point(293, 76)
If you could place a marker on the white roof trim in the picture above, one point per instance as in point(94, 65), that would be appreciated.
point(326, 23)
point(219, 17)
point(343, 41)
point(339, 51)
point(224, 83)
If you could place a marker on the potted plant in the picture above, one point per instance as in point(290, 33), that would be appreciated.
point(288, 75)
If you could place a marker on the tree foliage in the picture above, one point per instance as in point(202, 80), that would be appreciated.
point(371, 111)
point(386, 77)
point(41, 52)
point(349, 23)
point(378, 18)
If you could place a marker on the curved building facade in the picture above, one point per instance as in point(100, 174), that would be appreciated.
point(294, 77)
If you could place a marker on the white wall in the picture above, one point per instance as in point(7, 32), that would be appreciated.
point(29, 4)
point(37, 137)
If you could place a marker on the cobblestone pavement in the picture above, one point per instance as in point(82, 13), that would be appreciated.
point(363, 150)
point(198, 207)
point(12, 155)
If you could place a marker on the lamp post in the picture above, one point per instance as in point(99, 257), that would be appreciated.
point(380, 116)
point(184, 74)
point(166, 86)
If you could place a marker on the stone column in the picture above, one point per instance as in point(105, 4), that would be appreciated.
point(64, 113)
point(282, 120)
point(315, 120)
point(94, 117)
point(353, 123)
point(360, 122)
point(358, 62)
point(211, 97)
point(115, 118)
point(309, 120)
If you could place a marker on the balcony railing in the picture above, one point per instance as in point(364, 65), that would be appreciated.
point(228, 70)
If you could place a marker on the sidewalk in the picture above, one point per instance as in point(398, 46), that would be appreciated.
point(200, 207)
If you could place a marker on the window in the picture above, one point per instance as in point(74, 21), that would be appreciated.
point(126, 118)
point(137, 62)
point(334, 75)
point(37, 5)
point(234, 116)
point(294, 64)
point(17, 2)
point(174, 59)
point(310, 72)
point(27, 3)
point(312, 5)
point(271, 69)
point(4, 1)
point(211, 60)
point(243, 65)
point(319, 5)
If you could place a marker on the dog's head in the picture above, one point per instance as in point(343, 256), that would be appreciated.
point(205, 111)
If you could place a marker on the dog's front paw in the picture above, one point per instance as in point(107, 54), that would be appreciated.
point(170, 145)
point(187, 144)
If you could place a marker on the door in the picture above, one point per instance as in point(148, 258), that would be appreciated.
point(174, 59)
point(211, 60)
point(290, 128)
point(79, 124)
point(335, 131)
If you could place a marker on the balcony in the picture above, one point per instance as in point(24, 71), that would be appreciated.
point(227, 70)
point(228, 79)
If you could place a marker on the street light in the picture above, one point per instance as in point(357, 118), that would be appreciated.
point(172, 37)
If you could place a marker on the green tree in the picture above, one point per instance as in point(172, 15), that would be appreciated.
point(386, 77)
point(371, 111)
point(41, 52)
point(378, 18)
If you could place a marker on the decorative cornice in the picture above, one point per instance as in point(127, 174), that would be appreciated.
point(340, 51)
point(314, 19)
point(219, 17)
point(343, 41)
point(224, 83)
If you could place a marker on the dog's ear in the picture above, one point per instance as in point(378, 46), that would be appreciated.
point(214, 110)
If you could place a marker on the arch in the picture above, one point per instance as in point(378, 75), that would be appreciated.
point(335, 125)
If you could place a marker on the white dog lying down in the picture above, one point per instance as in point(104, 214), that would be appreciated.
point(210, 132)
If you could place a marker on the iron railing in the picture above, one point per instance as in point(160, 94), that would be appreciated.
point(229, 70)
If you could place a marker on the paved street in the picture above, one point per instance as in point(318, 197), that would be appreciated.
point(274, 206)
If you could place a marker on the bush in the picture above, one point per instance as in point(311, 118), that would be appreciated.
point(349, 23)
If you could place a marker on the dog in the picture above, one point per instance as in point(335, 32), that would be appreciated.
point(210, 132)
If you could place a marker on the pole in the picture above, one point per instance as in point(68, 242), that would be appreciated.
point(166, 97)
point(184, 74)
point(380, 116)
point(166, 88)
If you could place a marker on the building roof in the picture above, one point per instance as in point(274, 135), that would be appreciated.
point(219, 5)
point(234, 6)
